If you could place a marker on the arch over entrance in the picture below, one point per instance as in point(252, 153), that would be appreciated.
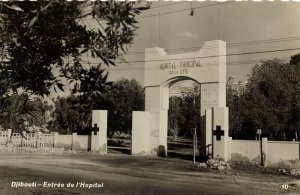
point(207, 67)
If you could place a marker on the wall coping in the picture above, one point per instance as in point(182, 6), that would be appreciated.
point(285, 142)
point(238, 140)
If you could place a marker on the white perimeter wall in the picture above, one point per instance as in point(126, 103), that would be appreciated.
point(64, 141)
point(245, 150)
point(276, 151)
point(82, 142)
point(282, 151)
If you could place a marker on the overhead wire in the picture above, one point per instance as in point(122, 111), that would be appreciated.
point(194, 48)
point(167, 5)
point(176, 11)
point(235, 44)
point(187, 9)
point(228, 44)
point(212, 56)
point(232, 63)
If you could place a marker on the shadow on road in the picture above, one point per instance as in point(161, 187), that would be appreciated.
point(182, 149)
point(179, 145)
point(180, 156)
point(119, 150)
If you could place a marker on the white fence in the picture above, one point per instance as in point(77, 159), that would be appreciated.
point(28, 139)
point(72, 142)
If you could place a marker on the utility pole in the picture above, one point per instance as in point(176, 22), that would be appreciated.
point(194, 132)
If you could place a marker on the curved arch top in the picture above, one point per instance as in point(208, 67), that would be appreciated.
point(208, 65)
point(175, 79)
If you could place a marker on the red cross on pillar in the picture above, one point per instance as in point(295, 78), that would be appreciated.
point(218, 132)
point(95, 129)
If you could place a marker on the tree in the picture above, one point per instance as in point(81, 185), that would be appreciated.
point(269, 100)
point(295, 62)
point(175, 117)
point(123, 97)
point(191, 108)
point(40, 38)
point(184, 112)
point(44, 43)
point(14, 110)
point(40, 113)
point(20, 108)
point(92, 85)
point(120, 99)
point(234, 92)
point(66, 117)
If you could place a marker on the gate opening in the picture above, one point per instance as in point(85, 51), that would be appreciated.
point(183, 117)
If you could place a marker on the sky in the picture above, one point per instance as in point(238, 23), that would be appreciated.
point(253, 31)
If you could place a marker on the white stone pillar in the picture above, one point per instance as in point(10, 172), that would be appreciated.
point(212, 95)
point(207, 133)
point(220, 132)
point(74, 135)
point(8, 135)
point(23, 135)
point(157, 103)
point(140, 133)
point(264, 149)
point(94, 142)
point(163, 128)
point(229, 147)
point(99, 119)
point(55, 137)
point(38, 139)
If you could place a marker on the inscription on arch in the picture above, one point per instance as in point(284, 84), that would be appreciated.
point(208, 65)
point(180, 67)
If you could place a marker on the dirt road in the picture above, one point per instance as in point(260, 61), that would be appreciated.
point(120, 174)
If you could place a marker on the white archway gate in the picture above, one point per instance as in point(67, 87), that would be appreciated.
point(207, 67)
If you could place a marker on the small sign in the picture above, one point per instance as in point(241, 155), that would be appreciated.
point(258, 131)
point(194, 131)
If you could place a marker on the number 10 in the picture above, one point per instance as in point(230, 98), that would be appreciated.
point(285, 186)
